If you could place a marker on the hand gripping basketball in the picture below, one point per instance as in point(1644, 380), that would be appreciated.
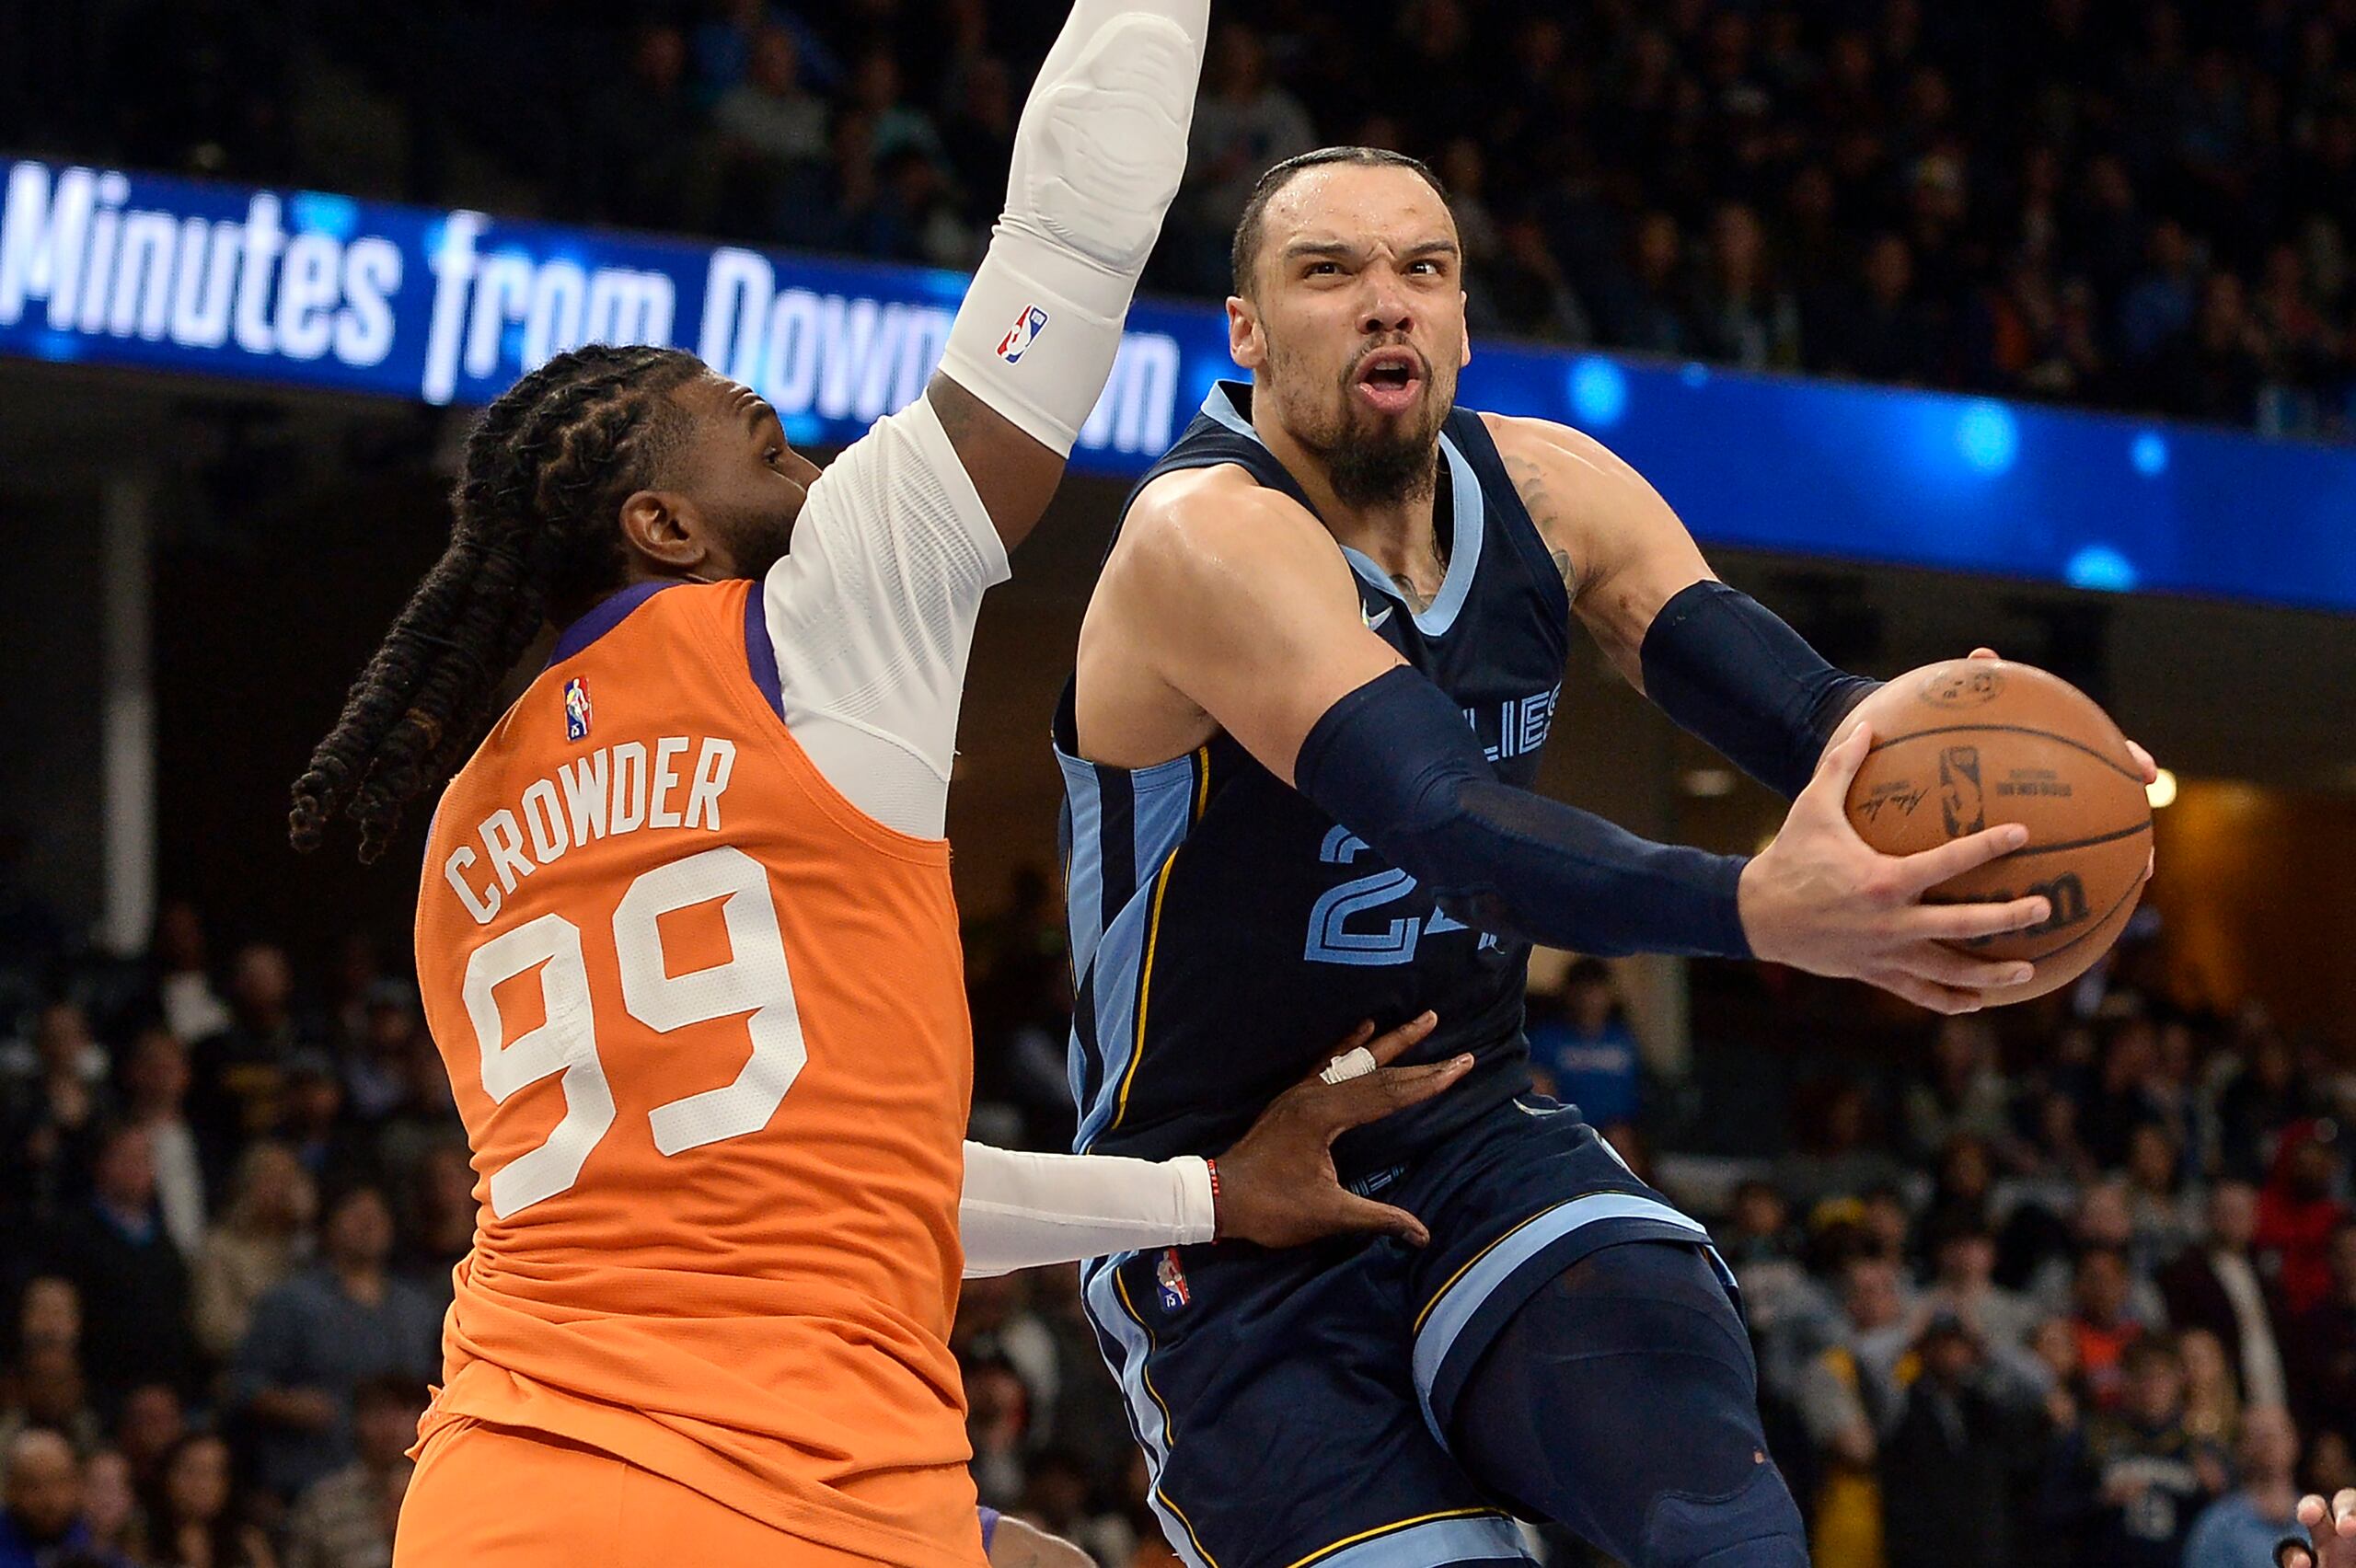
point(1819, 898)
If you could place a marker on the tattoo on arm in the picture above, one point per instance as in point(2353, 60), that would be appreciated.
point(1544, 509)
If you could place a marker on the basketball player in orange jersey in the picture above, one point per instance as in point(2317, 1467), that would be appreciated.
point(685, 931)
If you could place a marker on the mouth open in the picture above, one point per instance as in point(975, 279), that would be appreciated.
point(1390, 380)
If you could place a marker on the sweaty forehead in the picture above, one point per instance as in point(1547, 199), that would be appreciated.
point(1357, 204)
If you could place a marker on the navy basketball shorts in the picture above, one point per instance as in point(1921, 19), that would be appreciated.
point(1294, 1406)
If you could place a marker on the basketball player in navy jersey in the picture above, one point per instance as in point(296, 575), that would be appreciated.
point(1298, 749)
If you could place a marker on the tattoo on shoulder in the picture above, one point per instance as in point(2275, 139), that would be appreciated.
point(1544, 508)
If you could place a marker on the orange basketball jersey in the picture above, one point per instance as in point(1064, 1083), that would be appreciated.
point(706, 1023)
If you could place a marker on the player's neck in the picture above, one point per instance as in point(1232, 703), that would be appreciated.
point(1397, 534)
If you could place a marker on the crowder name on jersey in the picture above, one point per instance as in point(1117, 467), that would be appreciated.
point(614, 790)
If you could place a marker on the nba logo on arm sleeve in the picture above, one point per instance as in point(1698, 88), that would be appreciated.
point(576, 709)
point(1023, 334)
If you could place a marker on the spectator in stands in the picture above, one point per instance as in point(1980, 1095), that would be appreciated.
point(1837, 1156)
point(185, 999)
point(191, 1521)
point(1243, 121)
point(769, 115)
point(110, 1506)
point(53, 1111)
point(2264, 1095)
point(426, 1117)
point(2217, 1287)
point(1056, 1496)
point(316, 1338)
point(1580, 1039)
point(240, 1070)
point(2323, 1346)
point(1946, 1480)
point(1963, 1259)
point(375, 1070)
point(1962, 1094)
point(2157, 308)
point(1740, 313)
point(2162, 1223)
point(649, 158)
point(152, 1420)
point(133, 1280)
point(46, 1391)
point(311, 1124)
point(43, 1522)
point(977, 131)
point(2298, 1211)
point(1880, 329)
point(346, 1519)
point(2102, 1323)
point(2241, 1528)
point(1848, 1398)
point(439, 1226)
point(254, 1247)
point(2132, 1484)
point(2212, 1406)
point(155, 1092)
point(49, 1313)
point(1645, 305)
point(2103, 1221)
point(997, 1410)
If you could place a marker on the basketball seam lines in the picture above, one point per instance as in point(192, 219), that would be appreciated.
point(2024, 853)
point(2009, 730)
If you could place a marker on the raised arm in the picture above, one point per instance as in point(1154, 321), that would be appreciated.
point(1097, 157)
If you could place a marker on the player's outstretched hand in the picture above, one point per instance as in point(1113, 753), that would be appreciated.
point(1278, 1186)
point(1820, 898)
point(2331, 1534)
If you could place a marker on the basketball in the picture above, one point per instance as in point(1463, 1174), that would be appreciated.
point(1971, 744)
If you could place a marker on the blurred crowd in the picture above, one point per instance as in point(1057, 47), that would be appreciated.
point(2079, 1289)
point(2132, 204)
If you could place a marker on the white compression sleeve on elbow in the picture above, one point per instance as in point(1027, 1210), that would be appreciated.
point(1021, 1210)
point(1097, 159)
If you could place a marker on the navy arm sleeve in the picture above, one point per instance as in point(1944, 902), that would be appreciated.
point(1728, 670)
point(1395, 762)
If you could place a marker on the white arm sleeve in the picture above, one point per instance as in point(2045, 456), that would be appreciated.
point(872, 613)
point(1023, 1211)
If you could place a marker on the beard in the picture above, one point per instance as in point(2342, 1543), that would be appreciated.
point(756, 541)
point(1371, 460)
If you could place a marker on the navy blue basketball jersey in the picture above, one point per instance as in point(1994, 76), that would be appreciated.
point(1226, 933)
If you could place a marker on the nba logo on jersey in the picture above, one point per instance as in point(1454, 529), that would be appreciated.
point(1023, 334)
point(1173, 1278)
point(577, 709)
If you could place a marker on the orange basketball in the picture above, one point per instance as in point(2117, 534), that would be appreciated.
point(1976, 743)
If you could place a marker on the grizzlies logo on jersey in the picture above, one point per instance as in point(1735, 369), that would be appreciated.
point(1225, 931)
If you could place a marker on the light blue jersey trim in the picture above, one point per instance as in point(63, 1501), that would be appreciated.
point(1102, 1295)
point(1464, 549)
point(1463, 1297)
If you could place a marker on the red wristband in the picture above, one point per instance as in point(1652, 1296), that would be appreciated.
point(1212, 1166)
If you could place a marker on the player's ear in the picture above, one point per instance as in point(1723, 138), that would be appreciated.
point(662, 529)
point(1245, 343)
point(1465, 356)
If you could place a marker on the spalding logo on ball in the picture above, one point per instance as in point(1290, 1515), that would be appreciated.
point(1972, 744)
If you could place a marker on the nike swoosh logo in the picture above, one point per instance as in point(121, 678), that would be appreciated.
point(1372, 622)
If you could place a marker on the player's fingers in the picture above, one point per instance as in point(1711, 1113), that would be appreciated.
point(1963, 922)
point(1919, 872)
point(1836, 769)
point(1928, 994)
point(1386, 1048)
point(2290, 1552)
point(1380, 1093)
point(1985, 654)
point(2311, 1509)
point(1945, 966)
point(2343, 1509)
point(2144, 760)
point(1353, 1213)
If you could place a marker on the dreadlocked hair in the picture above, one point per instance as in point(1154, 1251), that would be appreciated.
point(547, 466)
